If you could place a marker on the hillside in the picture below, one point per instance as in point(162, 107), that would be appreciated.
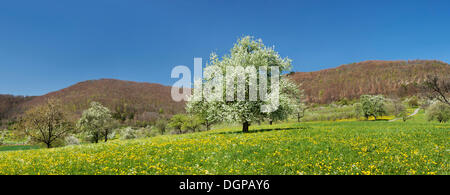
point(9, 105)
point(391, 78)
point(132, 100)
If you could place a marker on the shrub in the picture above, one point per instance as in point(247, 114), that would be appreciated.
point(129, 133)
point(161, 125)
point(329, 113)
point(343, 102)
point(438, 111)
point(71, 140)
point(147, 132)
point(413, 102)
point(153, 132)
point(177, 121)
point(395, 107)
point(357, 107)
point(2, 137)
point(426, 103)
point(192, 123)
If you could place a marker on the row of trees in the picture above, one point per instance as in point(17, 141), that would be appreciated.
point(48, 123)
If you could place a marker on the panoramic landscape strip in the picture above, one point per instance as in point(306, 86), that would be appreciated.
point(370, 135)
point(234, 96)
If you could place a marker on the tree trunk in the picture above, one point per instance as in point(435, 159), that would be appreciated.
point(96, 137)
point(298, 117)
point(207, 125)
point(271, 122)
point(245, 127)
point(106, 137)
point(48, 145)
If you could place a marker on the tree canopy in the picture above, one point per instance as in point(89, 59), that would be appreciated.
point(248, 57)
point(46, 123)
point(96, 122)
point(372, 105)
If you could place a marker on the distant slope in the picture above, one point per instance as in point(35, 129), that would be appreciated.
point(134, 100)
point(391, 78)
point(10, 104)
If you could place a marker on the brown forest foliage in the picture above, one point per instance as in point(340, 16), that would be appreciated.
point(390, 78)
point(10, 105)
point(131, 100)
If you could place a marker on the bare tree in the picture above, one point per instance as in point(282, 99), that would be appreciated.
point(46, 123)
point(301, 111)
point(437, 88)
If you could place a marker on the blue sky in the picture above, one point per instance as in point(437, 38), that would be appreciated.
point(49, 45)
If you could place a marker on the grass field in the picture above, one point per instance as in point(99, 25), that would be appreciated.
point(18, 147)
point(349, 147)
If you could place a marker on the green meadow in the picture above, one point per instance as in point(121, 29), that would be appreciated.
point(322, 147)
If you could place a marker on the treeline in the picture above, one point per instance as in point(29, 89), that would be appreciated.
point(48, 124)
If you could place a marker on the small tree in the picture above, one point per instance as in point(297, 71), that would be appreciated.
point(204, 110)
point(300, 111)
point(192, 123)
point(176, 122)
point(46, 123)
point(299, 107)
point(96, 122)
point(396, 108)
point(372, 105)
point(161, 125)
point(289, 103)
point(413, 102)
point(404, 116)
point(357, 107)
point(437, 88)
point(438, 111)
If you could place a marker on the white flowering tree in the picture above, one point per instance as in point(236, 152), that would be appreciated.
point(205, 110)
point(249, 57)
point(290, 101)
point(96, 122)
point(372, 105)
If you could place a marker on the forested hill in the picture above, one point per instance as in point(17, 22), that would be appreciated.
point(132, 100)
point(9, 105)
point(391, 78)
